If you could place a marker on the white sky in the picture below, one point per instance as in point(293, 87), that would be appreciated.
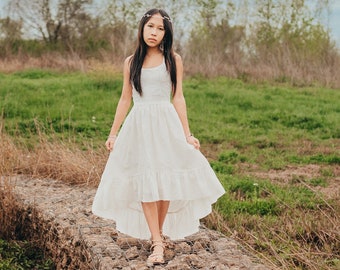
point(334, 20)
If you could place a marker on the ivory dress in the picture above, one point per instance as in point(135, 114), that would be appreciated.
point(152, 161)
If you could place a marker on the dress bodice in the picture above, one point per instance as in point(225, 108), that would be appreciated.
point(156, 85)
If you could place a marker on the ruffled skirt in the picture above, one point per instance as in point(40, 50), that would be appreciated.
point(152, 161)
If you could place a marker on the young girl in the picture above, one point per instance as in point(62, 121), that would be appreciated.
point(156, 180)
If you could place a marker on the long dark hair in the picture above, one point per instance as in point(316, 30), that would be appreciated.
point(139, 55)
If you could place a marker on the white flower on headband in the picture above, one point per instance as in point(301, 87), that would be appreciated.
point(147, 15)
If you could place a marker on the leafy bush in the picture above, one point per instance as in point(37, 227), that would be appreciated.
point(22, 256)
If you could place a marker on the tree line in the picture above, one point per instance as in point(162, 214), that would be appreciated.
point(285, 40)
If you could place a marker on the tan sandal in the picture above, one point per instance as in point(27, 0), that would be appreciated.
point(156, 257)
point(162, 235)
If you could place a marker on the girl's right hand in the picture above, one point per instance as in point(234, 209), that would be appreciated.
point(193, 141)
point(110, 143)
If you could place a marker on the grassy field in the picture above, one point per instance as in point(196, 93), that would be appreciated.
point(275, 148)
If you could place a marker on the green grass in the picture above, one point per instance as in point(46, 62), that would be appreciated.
point(256, 118)
point(268, 126)
point(256, 197)
point(264, 124)
point(69, 104)
point(22, 256)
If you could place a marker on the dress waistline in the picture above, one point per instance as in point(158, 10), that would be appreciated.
point(150, 103)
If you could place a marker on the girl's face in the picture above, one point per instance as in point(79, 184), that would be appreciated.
point(154, 31)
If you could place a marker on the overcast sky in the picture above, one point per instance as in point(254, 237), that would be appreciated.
point(334, 20)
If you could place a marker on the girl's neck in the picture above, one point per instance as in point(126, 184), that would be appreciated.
point(154, 57)
point(153, 51)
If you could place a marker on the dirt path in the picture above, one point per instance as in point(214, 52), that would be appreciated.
point(60, 216)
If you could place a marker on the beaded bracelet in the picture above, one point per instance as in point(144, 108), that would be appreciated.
point(112, 136)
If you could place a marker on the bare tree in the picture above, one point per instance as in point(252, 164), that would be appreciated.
point(52, 20)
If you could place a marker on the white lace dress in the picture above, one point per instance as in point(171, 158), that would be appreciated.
point(152, 161)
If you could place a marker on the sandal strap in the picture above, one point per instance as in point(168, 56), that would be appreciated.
point(153, 260)
point(156, 254)
point(158, 243)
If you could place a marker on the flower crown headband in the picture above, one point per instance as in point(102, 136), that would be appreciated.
point(147, 15)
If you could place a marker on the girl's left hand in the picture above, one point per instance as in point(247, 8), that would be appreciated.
point(110, 143)
point(194, 141)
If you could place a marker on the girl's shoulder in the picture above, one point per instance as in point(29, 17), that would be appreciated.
point(128, 59)
point(178, 59)
point(127, 64)
point(177, 56)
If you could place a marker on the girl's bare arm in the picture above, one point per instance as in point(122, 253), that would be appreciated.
point(180, 105)
point(122, 107)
